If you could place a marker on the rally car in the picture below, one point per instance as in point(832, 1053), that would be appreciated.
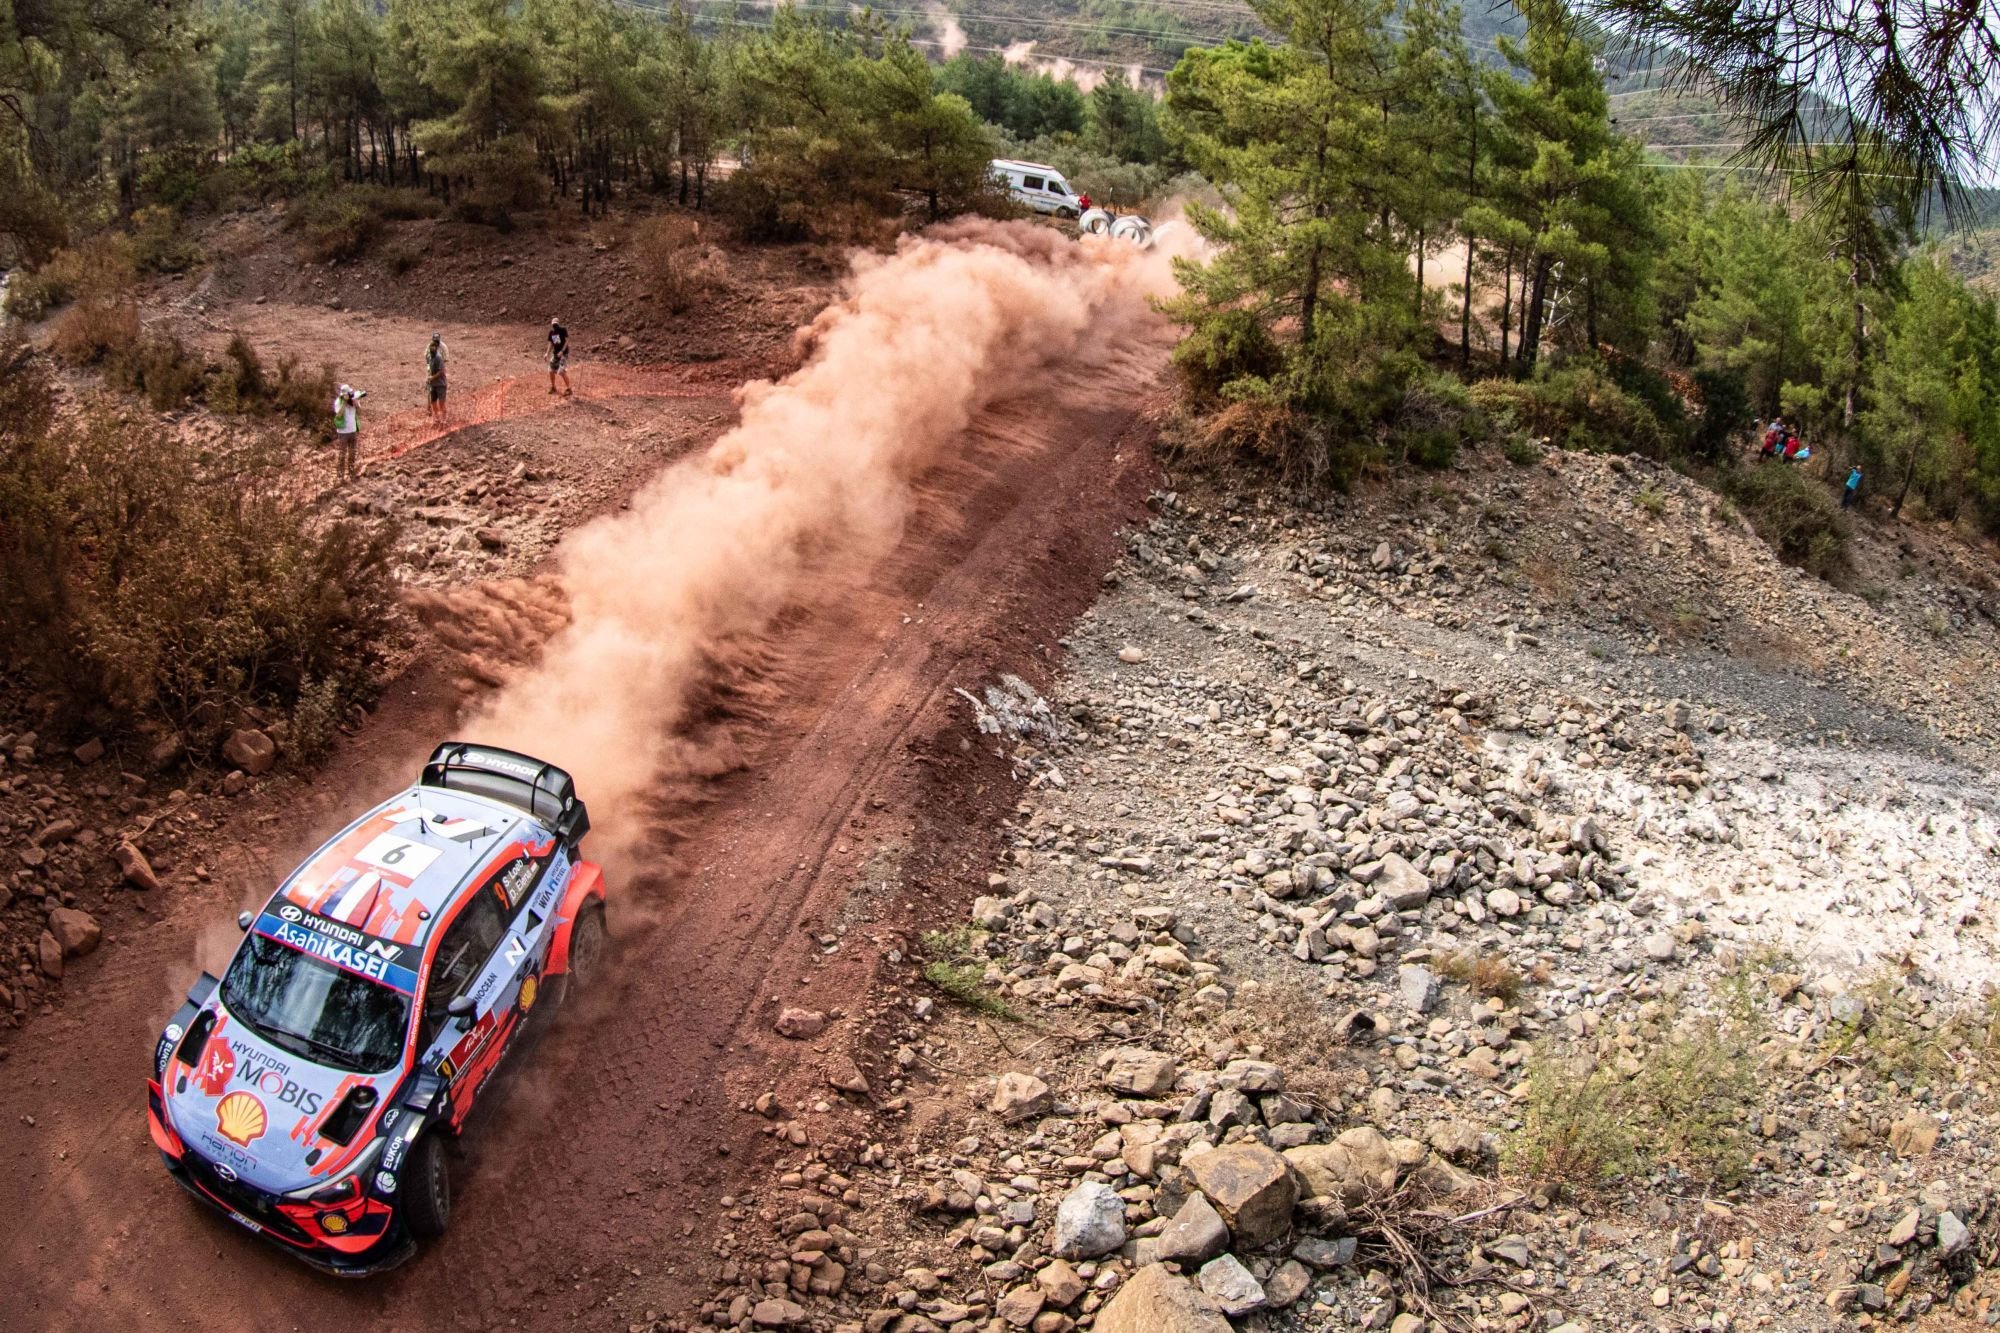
point(309, 1092)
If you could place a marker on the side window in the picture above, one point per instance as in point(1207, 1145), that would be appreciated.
point(1057, 187)
point(1031, 182)
point(468, 942)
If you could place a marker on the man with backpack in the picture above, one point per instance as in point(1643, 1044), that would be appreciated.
point(434, 379)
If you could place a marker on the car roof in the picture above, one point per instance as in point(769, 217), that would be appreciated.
point(1018, 164)
point(392, 873)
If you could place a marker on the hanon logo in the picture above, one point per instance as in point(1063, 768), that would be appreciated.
point(241, 1118)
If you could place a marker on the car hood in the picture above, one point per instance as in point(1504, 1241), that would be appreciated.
point(254, 1110)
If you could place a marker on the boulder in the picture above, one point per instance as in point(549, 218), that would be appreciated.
point(1914, 1134)
point(778, 1314)
point(1353, 1168)
point(1156, 1301)
point(1090, 1221)
point(1020, 1097)
point(1290, 1281)
point(1019, 1307)
point(50, 955)
point(136, 869)
point(1060, 1283)
point(1196, 1234)
point(1401, 884)
point(1252, 1187)
point(1230, 1285)
point(1418, 987)
point(76, 933)
point(250, 750)
point(800, 1024)
point(1138, 1072)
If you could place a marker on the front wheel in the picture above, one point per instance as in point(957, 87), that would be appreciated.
point(1066, 214)
point(427, 1189)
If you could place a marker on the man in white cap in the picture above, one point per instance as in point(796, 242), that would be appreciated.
point(347, 426)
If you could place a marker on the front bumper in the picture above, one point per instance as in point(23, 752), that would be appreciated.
point(374, 1238)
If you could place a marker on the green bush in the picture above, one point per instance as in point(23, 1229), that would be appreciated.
point(1794, 514)
point(142, 581)
point(160, 244)
point(1576, 406)
point(1435, 419)
point(335, 227)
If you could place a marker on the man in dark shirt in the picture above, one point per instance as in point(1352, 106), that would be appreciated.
point(558, 356)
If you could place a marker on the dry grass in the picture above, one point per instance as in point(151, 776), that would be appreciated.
point(1485, 973)
point(681, 269)
point(1297, 1024)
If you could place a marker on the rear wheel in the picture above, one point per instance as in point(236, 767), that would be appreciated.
point(426, 1189)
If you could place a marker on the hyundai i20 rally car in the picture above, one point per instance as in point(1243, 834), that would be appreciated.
point(309, 1092)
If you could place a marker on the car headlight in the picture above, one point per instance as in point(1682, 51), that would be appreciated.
point(343, 1188)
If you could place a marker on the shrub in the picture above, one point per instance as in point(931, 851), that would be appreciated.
point(1436, 417)
point(100, 267)
point(143, 581)
point(335, 227)
point(679, 269)
point(401, 257)
point(97, 333)
point(1794, 514)
point(1520, 449)
point(1725, 410)
point(1486, 973)
point(1578, 406)
point(1585, 1123)
point(955, 967)
point(160, 244)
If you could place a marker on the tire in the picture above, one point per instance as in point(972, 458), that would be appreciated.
point(1066, 214)
point(426, 1189)
point(586, 952)
point(1096, 222)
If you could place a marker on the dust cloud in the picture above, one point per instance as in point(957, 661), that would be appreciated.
point(667, 600)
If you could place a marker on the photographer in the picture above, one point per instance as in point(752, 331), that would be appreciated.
point(347, 427)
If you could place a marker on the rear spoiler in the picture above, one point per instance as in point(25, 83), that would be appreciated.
point(541, 789)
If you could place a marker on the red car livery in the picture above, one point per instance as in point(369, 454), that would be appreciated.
point(307, 1092)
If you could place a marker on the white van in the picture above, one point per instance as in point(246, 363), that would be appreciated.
point(1040, 187)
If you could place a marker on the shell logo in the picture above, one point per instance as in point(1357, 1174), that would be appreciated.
point(528, 992)
point(240, 1117)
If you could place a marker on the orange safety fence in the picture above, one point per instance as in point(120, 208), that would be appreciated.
point(387, 438)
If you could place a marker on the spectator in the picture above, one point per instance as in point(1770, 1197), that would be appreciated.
point(558, 356)
point(1849, 492)
point(434, 359)
point(347, 428)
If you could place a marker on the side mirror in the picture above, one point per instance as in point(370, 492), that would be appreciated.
point(460, 1006)
point(243, 920)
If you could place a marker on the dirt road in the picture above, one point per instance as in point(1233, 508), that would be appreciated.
point(589, 1195)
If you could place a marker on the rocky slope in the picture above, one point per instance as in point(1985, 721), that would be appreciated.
point(1413, 921)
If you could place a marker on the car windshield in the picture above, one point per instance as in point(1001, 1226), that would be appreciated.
point(314, 1009)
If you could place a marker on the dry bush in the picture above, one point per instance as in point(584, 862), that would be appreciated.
point(1296, 1026)
point(1485, 973)
point(680, 269)
point(98, 269)
point(97, 333)
point(143, 581)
